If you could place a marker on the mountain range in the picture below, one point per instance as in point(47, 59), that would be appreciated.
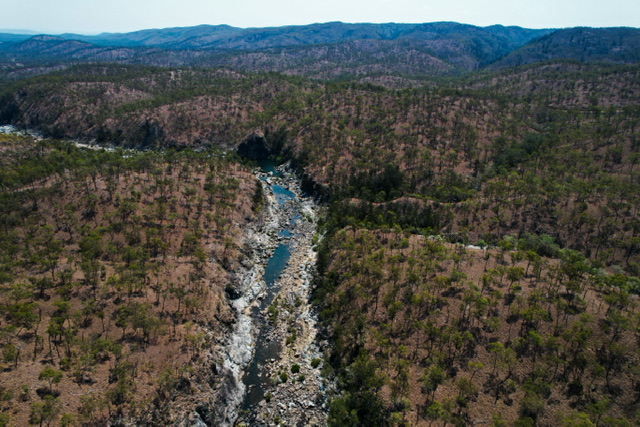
point(330, 50)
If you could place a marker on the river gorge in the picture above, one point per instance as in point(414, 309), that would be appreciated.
point(273, 353)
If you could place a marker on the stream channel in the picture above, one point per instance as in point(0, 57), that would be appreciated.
point(281, 382)
point(256, 381)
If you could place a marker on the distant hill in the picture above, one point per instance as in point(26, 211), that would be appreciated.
point(617, 45)
point(319, 50)
point(11, 37)
point(378, 53)
point(226, 37)
point(54, 49)
point(166, 37)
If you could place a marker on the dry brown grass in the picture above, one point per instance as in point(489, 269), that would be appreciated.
point(187, 328)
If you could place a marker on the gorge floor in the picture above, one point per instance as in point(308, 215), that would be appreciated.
point(283, 381)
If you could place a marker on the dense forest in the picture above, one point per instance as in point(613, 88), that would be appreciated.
point(478, 249)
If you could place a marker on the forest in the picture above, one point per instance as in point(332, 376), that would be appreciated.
point(113, 278)
point(478, 248)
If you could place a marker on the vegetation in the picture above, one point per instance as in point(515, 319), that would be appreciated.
point(112, 276)
point(441, 331)
point(480, 257)
point(426, 328)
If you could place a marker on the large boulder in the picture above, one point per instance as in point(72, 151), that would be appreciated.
point(255, 147)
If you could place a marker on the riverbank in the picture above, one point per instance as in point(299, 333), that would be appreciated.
point(276, 327)
point(296, 391)
point(170, 241)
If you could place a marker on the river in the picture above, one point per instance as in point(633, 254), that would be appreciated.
point(255, 379)
point(282, 381)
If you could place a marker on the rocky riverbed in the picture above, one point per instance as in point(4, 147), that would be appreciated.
point(297, 392)
point(282, 315)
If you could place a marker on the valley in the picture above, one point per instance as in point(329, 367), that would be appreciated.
point(338, 224)
point(284, 380)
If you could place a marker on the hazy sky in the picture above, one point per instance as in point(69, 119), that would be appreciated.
point(95, 16)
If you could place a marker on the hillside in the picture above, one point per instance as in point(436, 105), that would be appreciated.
point(425, 331)
point(226, 37)
point(478, 252)
point(113, 278)
point(391, 54)
point(320, 50)
point(166, 37)
point(615, 45)
point(451, 146)
point(563, 84)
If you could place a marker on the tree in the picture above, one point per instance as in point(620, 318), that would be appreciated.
point(597, 410)
point(531, 405)
point(89, 405)
point(50, 251)
point(576, 419)
point(51, 376)
point(67, 420)
point(44, 412)
point(466, 388)
point(433, 376)
point(11, 354)
point(23, 314)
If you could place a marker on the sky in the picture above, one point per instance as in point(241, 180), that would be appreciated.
point(96, 16)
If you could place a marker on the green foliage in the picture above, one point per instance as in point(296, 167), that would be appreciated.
point(51, 376)
point(576, 419)
point(375, 186)
point(46, 411)
point(508, 155)
point(258, 198)
point(11, 354)
point(5, 420)
point(359, 404)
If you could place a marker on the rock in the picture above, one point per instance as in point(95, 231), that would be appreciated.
point(255, 147)
point(293, 400)
point(232, 292)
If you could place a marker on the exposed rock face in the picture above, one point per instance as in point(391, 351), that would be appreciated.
point(255, 147)
point(319, 191)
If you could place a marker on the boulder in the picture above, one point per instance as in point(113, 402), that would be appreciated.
point(232, 292)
